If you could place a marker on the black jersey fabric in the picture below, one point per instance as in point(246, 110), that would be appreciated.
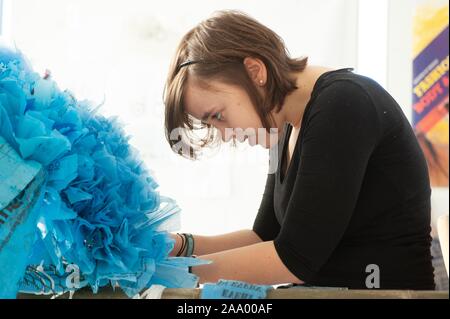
point(356, 192)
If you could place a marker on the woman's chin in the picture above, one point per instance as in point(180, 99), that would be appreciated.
point(251, 140)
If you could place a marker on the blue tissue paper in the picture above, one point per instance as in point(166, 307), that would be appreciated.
point(97, 218)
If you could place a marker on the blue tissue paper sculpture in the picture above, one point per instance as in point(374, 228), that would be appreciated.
point(77, 206)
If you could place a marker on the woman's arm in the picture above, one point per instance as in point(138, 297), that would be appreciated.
point(211, 244)
point(258, 264)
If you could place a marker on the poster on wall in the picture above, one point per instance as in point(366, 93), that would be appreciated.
point(430, 87)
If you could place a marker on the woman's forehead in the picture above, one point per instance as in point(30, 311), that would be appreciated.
point(195, 98)
point(200, 95)
point(211, 86)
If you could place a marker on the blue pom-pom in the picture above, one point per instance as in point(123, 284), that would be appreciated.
point(100, 213)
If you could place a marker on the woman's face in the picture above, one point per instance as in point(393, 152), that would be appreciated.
point(229, 109)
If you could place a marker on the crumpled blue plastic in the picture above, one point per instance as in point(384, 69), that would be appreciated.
point(100, 208)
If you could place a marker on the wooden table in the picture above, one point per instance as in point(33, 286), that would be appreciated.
point(288, 293)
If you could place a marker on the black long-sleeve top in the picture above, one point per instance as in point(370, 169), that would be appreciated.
point(356, 192)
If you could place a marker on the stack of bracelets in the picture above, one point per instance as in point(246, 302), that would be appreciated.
point(187, 247)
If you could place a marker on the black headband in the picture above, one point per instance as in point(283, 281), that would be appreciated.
point(188, 62)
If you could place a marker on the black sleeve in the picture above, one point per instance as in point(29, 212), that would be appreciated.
point(266, 226)
point(339, 136)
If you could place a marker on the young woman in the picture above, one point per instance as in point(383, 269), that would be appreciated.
point(349, 202)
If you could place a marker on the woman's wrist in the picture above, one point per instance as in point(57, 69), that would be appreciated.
point(184, 245)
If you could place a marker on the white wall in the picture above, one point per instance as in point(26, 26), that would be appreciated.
point(372, 52)
point(400, 53)
point(5, 21)
point(1, 17)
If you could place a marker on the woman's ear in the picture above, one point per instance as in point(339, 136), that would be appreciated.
point(256, 70)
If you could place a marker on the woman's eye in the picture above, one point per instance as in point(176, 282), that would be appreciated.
point(218, 116)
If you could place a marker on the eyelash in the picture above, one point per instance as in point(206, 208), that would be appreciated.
point(215, 116)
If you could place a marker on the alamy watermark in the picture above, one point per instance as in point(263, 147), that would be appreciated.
point(259, 136)
point(73, 278)
point(373, 279)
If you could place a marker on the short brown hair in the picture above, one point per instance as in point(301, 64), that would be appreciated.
point(220, 44)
